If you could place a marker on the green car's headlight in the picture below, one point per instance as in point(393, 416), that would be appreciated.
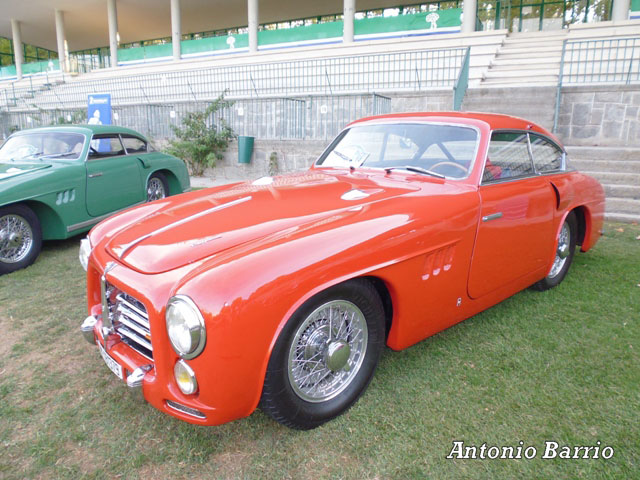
point(185, 327)
point(85, 251)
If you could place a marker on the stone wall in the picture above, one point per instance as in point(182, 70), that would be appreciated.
point(290, 156)
point(607, 115)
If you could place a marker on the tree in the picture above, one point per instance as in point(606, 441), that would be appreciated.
point(200, 142)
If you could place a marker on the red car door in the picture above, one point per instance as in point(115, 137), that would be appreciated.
point(514, 235)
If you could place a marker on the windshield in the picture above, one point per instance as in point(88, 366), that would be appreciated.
point(446, 150)
point(32, 146)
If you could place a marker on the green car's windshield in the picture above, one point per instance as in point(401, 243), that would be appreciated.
point(434, 149)
point(32, 146)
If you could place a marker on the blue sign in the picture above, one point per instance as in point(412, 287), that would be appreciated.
point(99, 113)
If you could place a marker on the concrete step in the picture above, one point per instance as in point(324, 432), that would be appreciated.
point(531, 62)
point(619, 166)
point(622, 217)
point(604, 153)
point(543, 49)
point(616, 177)
point(629, 206)
point(540, 81)
point(522, 73)
point(621, 191)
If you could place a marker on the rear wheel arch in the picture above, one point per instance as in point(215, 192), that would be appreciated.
point(172, 180)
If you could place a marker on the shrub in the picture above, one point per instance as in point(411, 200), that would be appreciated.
point(200, 142)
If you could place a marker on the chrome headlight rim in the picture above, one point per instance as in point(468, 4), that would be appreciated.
point(84, 253)
point(198, 346)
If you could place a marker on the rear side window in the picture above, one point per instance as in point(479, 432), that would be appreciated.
point(547, 157)
point(508, 157)
point(134, 144)
point(108, 145)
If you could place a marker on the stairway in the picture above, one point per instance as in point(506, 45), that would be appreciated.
point(524, 59)
point(618, 169)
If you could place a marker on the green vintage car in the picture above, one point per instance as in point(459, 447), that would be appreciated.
point(57, 182)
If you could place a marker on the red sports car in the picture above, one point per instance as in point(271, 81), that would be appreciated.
point(282, 292)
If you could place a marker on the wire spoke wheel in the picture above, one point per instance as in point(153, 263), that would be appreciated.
point(16, 238)
point(562, 252)
point(327, 351)
point(155, 189)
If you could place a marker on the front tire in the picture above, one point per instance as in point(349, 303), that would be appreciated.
point(20, 238)
point(565, 250)
point(157, 187)
point(325, 356)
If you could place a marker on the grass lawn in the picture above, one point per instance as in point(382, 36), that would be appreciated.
point(560, 365)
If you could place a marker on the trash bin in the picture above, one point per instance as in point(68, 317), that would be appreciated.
point(245, 149)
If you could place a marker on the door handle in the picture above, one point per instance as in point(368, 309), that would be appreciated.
point(94, 175)
point(493, 216)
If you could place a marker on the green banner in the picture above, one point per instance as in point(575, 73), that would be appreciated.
point(635, 5)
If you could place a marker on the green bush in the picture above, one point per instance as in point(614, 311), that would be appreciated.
point(199, 141)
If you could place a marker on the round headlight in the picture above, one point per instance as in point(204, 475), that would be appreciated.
point(185, 378)
point(185, 327)
point(85, 251)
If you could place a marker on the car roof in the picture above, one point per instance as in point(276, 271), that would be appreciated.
point(495, 121)
point(83, 128)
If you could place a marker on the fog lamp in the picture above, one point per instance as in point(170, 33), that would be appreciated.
point(85, 251)
point(185, 378)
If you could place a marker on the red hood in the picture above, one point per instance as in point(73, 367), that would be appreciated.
point(186, 230)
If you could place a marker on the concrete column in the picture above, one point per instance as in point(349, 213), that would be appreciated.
point(620, 10)
point(112, 16)
point(252, 7)
point(469, 8)
point(63, 53)
point(17, 47)
point(176, 29)
point(349, 12)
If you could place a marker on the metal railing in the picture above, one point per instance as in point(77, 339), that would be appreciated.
point(462, 82)
point(398, 71)
point(312, 117)
point(597, 61)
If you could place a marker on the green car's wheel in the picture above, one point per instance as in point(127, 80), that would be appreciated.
point(157, 187)
point(20, 238)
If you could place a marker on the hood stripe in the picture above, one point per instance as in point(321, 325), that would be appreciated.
point(129, 246)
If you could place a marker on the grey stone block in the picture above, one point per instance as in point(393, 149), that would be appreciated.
point(588, 131)
point(580, 97)
point(596, 117)
point(612, 129)
point(581, 112)
point(631, 112)
point(614, 112)
point(565, 106)
point(608, 97)
point(627, 98)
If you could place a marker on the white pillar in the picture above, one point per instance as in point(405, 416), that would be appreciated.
point(63, 54)
point(620, 10)
point(469, 8)
point(252, 7)
point(112, 16)
point(17, 47)
point(176, 29)
point(349, 12)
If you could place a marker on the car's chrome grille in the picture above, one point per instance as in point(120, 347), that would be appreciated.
point(130, 321)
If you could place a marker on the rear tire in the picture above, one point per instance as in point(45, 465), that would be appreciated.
point(565, 250)
point(325, 356)
point(20, 238)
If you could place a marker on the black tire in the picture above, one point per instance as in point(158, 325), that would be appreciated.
point(157, 187)
point(559, 268)
point(20, 238)
point(283, 397)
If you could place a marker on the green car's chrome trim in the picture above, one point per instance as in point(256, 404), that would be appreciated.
point(93, 221)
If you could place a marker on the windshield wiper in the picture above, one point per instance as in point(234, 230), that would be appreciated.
point(52, 155)
point(411, 168)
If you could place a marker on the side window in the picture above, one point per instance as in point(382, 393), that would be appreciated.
point(547, 157)
point(106, 145)
point(508, 157)
point(134, 144)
